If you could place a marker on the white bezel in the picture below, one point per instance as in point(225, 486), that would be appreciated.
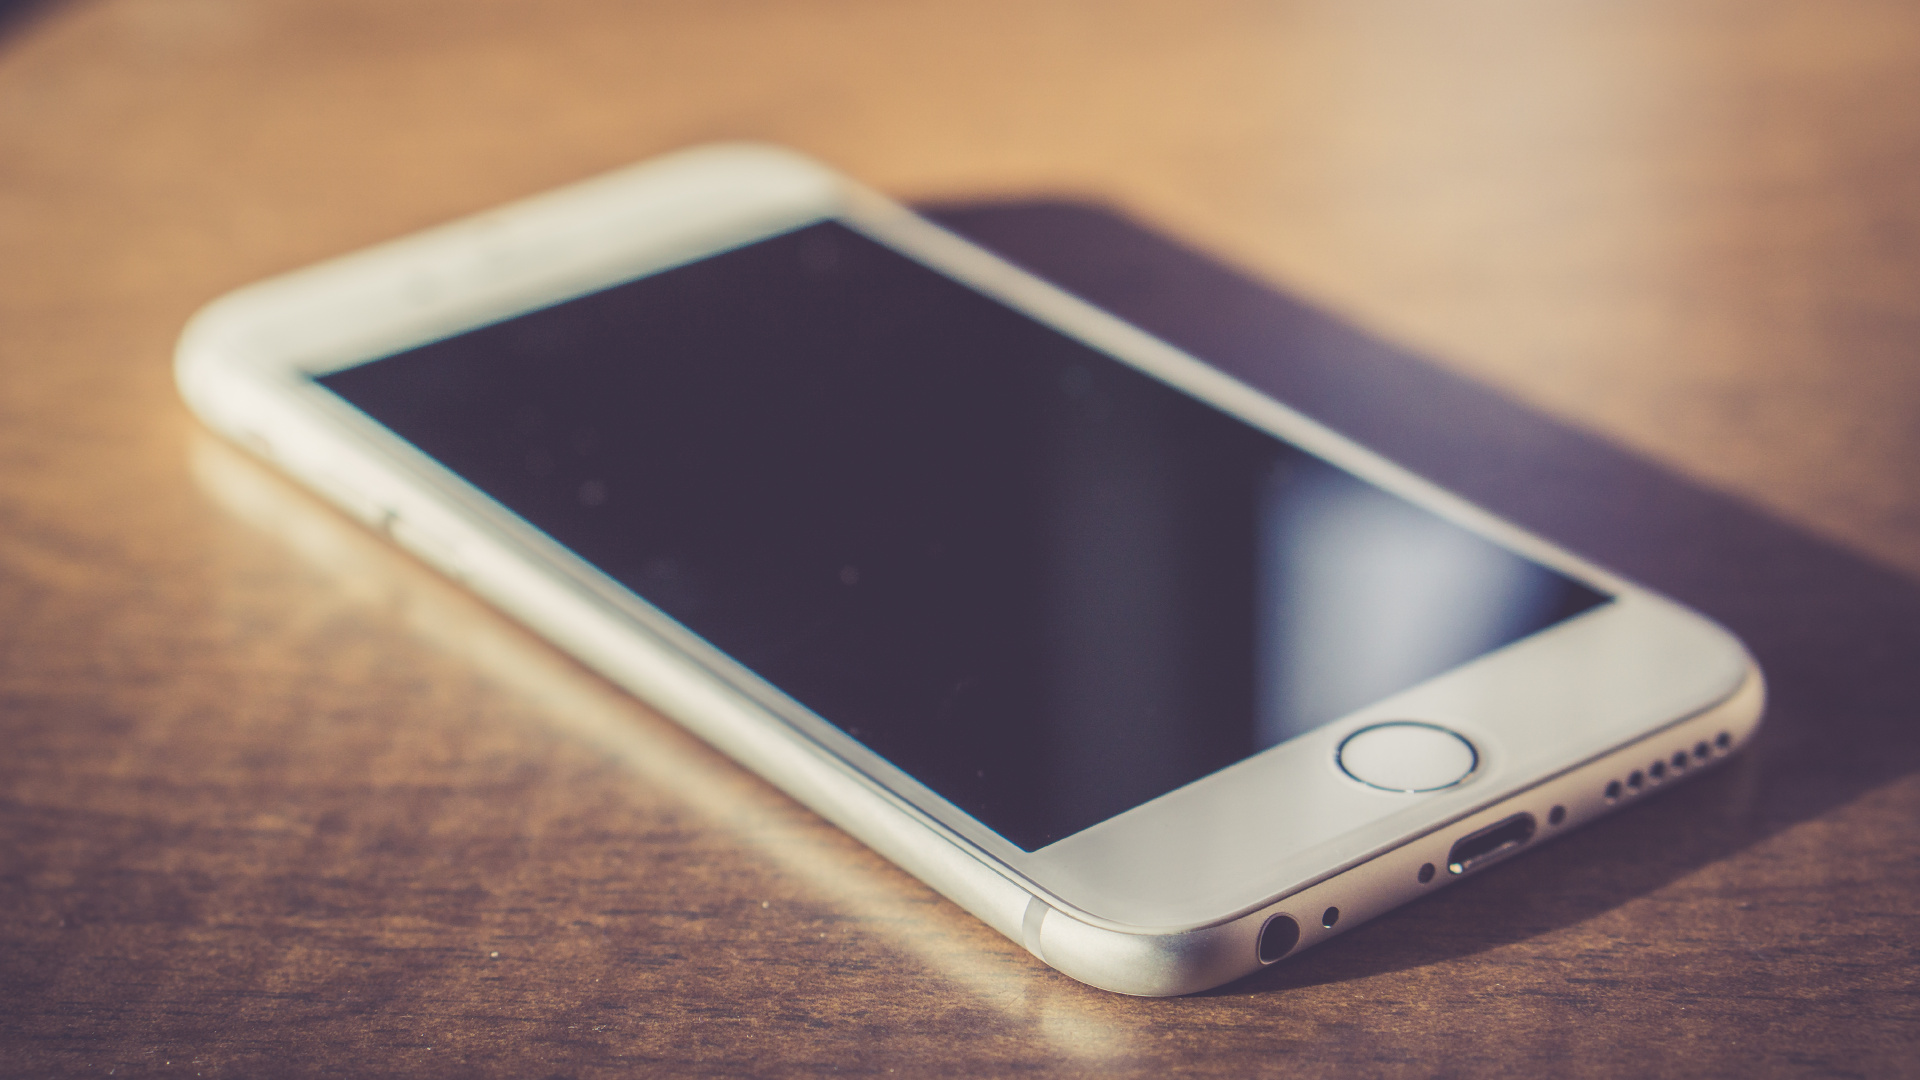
point(1199, 865)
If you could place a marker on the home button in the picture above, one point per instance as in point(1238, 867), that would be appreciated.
point(1407, 755)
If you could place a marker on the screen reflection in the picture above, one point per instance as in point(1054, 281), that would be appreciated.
point(1041, 582)
point(1361, 594)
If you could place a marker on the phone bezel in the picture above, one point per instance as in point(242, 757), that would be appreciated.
point(1211, 851)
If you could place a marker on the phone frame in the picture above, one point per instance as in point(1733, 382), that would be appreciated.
point(1169, 897)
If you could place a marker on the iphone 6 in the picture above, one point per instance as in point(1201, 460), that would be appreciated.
point(1148, 671)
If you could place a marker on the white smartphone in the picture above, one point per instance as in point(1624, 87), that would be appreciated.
point(1151, 673)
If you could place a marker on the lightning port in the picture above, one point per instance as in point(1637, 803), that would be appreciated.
point(1489, 843)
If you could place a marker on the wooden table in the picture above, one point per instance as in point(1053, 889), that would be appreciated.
point(276, 800)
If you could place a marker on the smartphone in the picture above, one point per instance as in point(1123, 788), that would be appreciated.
point(1151, 673)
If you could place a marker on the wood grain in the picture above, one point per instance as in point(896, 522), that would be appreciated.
point(275, 799)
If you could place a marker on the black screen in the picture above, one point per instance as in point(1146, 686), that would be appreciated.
point(1046, 585)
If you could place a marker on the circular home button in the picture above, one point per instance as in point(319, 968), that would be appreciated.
point(1407, 756)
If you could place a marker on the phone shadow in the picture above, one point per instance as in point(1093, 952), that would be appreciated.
point(1836, 633)
point(20, 15)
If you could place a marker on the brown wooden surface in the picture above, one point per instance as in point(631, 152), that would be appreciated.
point(275, 799)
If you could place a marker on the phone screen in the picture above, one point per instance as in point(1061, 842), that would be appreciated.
point(1043, 583)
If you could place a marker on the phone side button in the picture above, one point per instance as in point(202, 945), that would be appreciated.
point(1407, 755)
point(427, 546)
point(349, 499)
